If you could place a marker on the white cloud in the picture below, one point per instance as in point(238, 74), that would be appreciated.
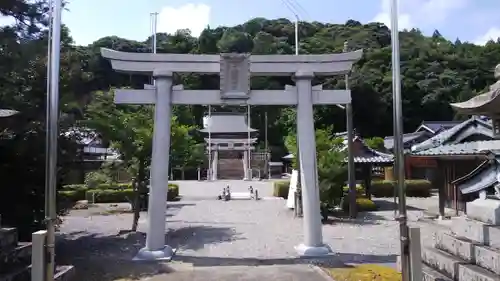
point(492, 34)
point(418, 13)
point(194, 17)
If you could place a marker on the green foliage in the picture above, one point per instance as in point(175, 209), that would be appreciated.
point(376, 143)
point(360, 190)
point(110, 195)
point(414, 188)
point(75, 192)
point(173, 192)
point(93, 179)
point(332, 170)
point(363, 205)
point(281, 188)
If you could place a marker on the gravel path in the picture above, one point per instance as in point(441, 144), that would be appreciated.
point(211, 232)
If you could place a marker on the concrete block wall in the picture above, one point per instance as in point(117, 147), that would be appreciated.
point(470, 252)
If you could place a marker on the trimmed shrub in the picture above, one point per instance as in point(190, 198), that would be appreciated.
point(173, 192)
point(360, 190)
point(73, 193)
point(414, 188)
point(74, 187)
point(71, 196)
point(362, 205)
point(280, 189)
point(110, 195)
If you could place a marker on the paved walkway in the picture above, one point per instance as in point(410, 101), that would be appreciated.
point(213, 234)
point(245, 273)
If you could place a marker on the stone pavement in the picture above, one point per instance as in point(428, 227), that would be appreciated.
point(296, 272)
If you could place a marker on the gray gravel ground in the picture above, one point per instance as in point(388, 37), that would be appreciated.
point(210, 232)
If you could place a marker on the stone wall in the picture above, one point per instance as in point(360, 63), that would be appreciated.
point(471, 252)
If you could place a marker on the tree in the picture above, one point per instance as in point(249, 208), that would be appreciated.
point(129, 129)
point(23, 72)
point(332, 169)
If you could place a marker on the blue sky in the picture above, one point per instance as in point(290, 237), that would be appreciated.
point(471, 20)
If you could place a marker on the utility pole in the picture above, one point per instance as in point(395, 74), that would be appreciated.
point(398, 141)
point(351, 169)
point(153, 17)
point(52, 127)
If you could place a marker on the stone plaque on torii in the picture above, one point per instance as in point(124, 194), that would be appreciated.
point(235, 71)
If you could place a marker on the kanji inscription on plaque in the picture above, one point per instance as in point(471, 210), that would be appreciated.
point(235, 76)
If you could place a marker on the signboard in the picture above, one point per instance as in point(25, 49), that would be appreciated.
point(235, 76)
point(294, 180)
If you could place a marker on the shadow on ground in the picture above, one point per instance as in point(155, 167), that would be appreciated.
point(107, 258)
point(363, 218)
point(385, 205)
point(334, 260)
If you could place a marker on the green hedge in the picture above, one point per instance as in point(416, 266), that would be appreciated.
point(360, 190)
point(362, 205)
point(110, 195)
point(107, 193)
point(414, 188)
point(280, 188)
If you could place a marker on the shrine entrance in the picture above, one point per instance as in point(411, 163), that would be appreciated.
point(235, 71)
point(230, 143)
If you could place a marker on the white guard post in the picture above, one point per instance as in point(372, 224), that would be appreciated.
point(235, 71)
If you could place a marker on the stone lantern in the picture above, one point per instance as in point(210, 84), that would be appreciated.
point(487, 104)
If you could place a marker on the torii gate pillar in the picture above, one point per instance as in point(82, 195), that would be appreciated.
point(155, 239)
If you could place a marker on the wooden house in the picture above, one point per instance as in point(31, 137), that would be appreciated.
point(417, 168)
point(452, 154)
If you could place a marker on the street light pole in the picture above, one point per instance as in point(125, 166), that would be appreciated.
point(351, 169)
point(153, 17)
point(398, 141)
point(52, 124)
point(296, 34)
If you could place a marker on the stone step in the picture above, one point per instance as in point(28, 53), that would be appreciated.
point(63, 273)
point(458, 246)
point(20, 256)
point(442, 261)
point(8, 238)
point(430, 274)
point(470, 272)
point(476, 231)
point(488, 258)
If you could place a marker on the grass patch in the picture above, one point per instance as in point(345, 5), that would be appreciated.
point(364, 272)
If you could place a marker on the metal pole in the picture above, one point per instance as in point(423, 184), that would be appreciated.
point(53, 132)
point(153, 22)
point(249, 167)
point(266, 146)
point(298, 205)
point(155, 25)
point(209, 126)
point(296, 35)
point(398, 140)
point(350, 148)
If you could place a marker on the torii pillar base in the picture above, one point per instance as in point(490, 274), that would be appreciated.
point(308, 251)
point(165, 254)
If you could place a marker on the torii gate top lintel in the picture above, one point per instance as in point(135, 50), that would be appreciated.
point(259, 65)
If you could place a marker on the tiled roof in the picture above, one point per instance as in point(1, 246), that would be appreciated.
point(369, 155)
point(437, 126)
point(407, 138)
point(466, 148)
point(373, 159)
point(445, 136)
point(227, 123)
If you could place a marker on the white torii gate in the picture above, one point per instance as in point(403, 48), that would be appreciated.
point(235, 71)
